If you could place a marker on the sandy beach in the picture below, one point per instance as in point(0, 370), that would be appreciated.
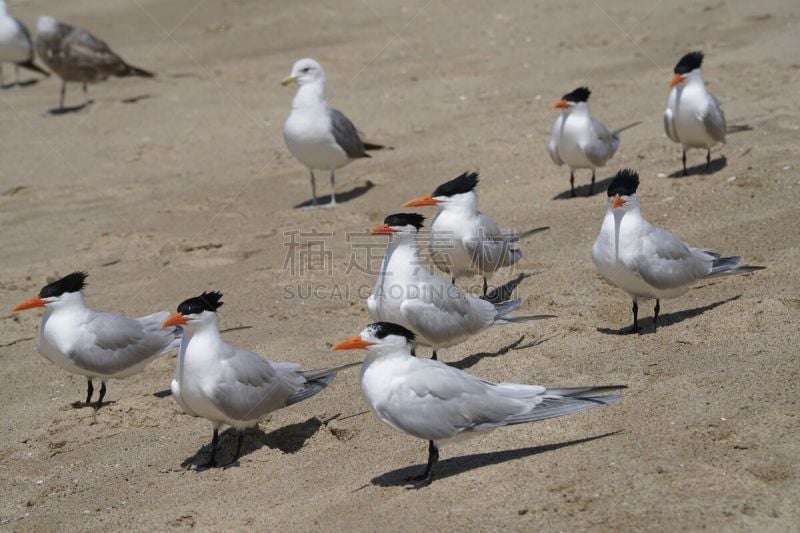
point(164, 188)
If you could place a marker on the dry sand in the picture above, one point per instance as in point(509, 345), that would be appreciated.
point(190, 188)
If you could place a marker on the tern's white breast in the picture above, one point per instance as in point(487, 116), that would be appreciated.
point(449, 232)
point(575, 134)
point(690, 107)
point(196, 376)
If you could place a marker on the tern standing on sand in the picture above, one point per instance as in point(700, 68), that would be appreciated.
point(15, 45)
point(694, 116)
point(580, 140)
point(78, 56)
point(96, 344)
point(318, 136)
point(645, 261)
point(441, 404)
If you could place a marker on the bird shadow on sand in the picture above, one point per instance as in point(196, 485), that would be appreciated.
point(352, 194)
point(19, 85)
point(474, 359)
point(715, 166)
point(138, 98)
point(583, 190)
point(68, 110)
point(668, 319)
point(81, 405)
point(459, 465)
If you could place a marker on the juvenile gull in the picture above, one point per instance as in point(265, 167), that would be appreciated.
point(319, 136)
point(93, 343)
point(78, 56)
point(15, 45)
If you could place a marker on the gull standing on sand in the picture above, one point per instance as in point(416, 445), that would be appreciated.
point(439, 313)
point(441, 404)
point(96, 344)
point(78, 56)
point(464, 241)
point(580, 140)
point(694, 116)
point(231, 386)
point(645, 261)
point(15, 45)
point(319, 136)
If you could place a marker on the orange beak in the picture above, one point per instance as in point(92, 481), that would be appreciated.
point(561, 104)
point(617, 201)
point(676, 79)
point(353, 343)
point(30, 303)
point(175, 320)
point(422, 201)
point(383, 229)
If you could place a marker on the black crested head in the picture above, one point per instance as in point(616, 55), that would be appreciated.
point(208, 301)
point(689, 62)
point(460, 185)
point(404, 219)
point(624, 183)
point(581, 94)
point(74, 282)
point(384, 329)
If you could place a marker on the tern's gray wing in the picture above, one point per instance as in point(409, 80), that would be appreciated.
point(435, 401)
point(603, 144)
point(346, 135)
point(491, 249)
point(666, 262)
point(669, 115)
point(112, 344)
point(249, 386)
point(714, 120)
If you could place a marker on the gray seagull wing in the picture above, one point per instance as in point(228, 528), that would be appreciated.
point(346, 135)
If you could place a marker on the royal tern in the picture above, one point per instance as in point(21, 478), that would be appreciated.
point(319, 136)
point(645, 261)
point(580, 140)
point(15, 45)
point(694, 116)
point(439, 403)
point(407, 293)
point(464, 241)
point(231, 386)
point(96, 344)
point(78, 56)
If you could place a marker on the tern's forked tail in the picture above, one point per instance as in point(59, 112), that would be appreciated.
point(316, 380)
point(724, 266)
point(623, 128)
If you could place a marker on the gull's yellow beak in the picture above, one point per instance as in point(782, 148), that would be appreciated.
point(288, 81)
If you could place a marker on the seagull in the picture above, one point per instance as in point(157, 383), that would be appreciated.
point(580, 140)
point(441, 404)
point(694, 116)
point(645, 261)
point(78, 56)
point(319, 136)
point(464, 241)
point(96, 344)
point(439, 313)
point(228, 385)
point(15, 45)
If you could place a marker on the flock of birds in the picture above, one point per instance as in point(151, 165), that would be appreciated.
point(410, 305)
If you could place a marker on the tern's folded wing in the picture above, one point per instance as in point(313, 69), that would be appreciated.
point(666, 262)
point(490, 248)
point(714, 120)
point(602, 146)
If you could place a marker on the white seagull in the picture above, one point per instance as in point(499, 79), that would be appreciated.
point(78, 56)
point(319, 136)
point(580, 140)
point(438, 403)
point(645, 261)
point(15, 45)
point(463, 240)
point(407, 293)
point(694, 116)
point(228, 385)
point(96, 344)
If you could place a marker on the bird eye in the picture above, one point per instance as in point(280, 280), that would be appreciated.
point(306, 70)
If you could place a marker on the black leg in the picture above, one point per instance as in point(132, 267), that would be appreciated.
point(89, 391)
point(99, 403)
point(572, 183)
point(635, 317)
point(591, 187)
point(485, 285)
point(313, 188)
point(85, 95)
point(333, 188)
point(708, 159)
point(63, 93)
point(239, 439)
point(413, 351)
point(656, 309)
point(433, 457)
point(684, 164)
point(214, 442)
point(434, 356)
point(453, 281)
